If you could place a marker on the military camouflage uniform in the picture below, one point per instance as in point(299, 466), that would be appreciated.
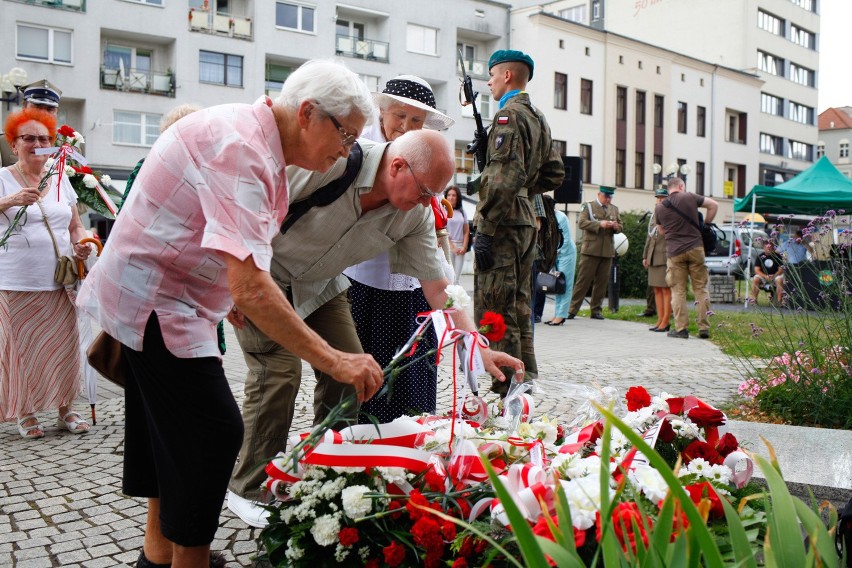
point(520, 162)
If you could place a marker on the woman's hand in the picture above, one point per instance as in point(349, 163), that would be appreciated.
point(81, 251)
point(27, 196)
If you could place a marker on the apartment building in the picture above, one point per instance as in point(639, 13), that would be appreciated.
point(835, 136)
point(778, 40)
point(122, 64)
point(624, 105)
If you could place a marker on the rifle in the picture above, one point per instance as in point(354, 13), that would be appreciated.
point(467, 96)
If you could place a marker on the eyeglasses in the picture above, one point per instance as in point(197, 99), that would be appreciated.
point(31, 139)
point(425, 193)
point(346, 139)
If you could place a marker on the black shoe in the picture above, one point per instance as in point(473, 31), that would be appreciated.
point(704, 334)
point(663, 329)
point(653, 328)
point(554, 322)
point(537, 319)
point(647, 314)
point(682, 334)
point(217, 560)
point(571, 316)
point(597, 316)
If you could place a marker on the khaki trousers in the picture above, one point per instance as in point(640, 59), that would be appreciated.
point(592, 269)
point(688, 266)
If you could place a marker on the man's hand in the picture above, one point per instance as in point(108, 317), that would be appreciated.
point(361, 371)
point(493, 360)
point(482, 251)
point(236, 318)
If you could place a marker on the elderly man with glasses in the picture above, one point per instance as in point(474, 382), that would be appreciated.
point(377, 212)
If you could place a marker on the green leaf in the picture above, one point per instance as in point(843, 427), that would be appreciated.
point(783, 534)
point(738, 538)
point(820, 541)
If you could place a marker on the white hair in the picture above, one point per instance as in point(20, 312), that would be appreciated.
point(423, 150)
point(331, 84)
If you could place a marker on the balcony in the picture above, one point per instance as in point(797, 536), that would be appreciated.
point(206, 21)
point(138, 81)
point(476, 68)
point(72, 5)
point(370, 49)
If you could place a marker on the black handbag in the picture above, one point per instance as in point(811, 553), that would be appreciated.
point(550, 283)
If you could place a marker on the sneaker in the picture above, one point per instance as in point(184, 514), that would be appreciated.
point(704, 334)
point(249, 511)
point(682, 334)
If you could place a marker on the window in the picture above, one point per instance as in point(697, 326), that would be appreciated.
point(349, 29)
point(561, 147)
point(44, 44)
point(420, 39)
point(372, 82)
point(771, 104)
point(560, 91)
point(137, 128)
point(771, 144)
point(596, 13)
point(737, 126)
point(699, 178)
point(639, 170)
point(621, 103)
point(154, 2)
point(132, 58)
point(276, 74)
point(802, 75)
point(770, 23)
point(801, 113)
point(800, 151)
point(844, 149)
point(464, 161)
point(820, 150)
point(640, 107)
point(293, 16)
point(620, 165)
point(585, 96)
point(574, 14)
point(220, 68)
point(802, 37)
point(658, 110)
point(809, 5)
point(586, 154)
point(701, 122)
point(682, 109)
point(770, 64)
point(483, 105)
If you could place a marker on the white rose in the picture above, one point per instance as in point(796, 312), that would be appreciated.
point(90, 181)
point(355, 505)
point(106, 180)
point(69, 171)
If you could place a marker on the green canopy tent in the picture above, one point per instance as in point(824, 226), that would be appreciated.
point(813, 192)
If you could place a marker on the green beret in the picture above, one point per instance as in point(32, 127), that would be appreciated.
point(606, 189)
point(661, 192)
point(505, 55)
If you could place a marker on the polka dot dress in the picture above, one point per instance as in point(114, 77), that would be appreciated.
point(385, 320)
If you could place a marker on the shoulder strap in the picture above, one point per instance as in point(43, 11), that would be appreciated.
point(668, 204)
point(47, 224)
point(591, 213)
point(327, 194)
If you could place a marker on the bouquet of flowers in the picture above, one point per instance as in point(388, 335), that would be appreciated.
point(92, 187)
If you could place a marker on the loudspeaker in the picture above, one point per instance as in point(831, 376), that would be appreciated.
point(571, 190)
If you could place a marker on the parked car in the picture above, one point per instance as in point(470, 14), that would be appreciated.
point(733, 250)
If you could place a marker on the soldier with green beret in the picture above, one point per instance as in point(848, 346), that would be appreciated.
point(520, 163)
point(599, 220)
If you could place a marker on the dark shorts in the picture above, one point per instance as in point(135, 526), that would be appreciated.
point(183, 434)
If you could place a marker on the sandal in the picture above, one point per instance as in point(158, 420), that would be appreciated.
point(31, 431)
point(73, 426)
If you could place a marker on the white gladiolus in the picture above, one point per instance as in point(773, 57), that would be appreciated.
point(355, 505)
point(457, 297)
point(106, 180)
point(77, 139)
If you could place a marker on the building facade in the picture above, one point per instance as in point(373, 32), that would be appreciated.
point(775, 39)
point(835, 135)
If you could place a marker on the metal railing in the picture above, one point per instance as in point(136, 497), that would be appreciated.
point(138, 81)
point(206, 21)
point(351, 46)
point(73, 5)
point(476, 68)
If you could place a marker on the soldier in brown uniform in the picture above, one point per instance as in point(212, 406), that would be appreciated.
point(520, 163)
point(599, 221)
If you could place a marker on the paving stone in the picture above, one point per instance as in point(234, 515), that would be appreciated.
point(43, 562)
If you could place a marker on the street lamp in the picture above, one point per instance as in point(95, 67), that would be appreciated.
point(9, 83)
point(664, 174)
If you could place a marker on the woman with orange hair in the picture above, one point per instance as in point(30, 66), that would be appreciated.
point(39, 357)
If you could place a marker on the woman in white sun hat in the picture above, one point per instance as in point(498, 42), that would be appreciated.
point(385, 305)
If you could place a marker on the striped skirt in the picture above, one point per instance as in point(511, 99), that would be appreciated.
point(39, 352)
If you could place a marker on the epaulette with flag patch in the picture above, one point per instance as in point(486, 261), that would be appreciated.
point(503, 119)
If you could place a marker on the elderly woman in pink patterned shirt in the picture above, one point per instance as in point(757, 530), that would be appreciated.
point(193, 239)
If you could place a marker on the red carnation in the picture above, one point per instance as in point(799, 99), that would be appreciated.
point(415, 501)
point(637, 397)
point(373, 563)
point(704, 490)
point(466, 548)
point(704, 417)
point(675, 404)
point(727, 444)
point(448, 530)
point(348, 536)
point(66, 131)
point(699, 449)
point(624, 517)
point(427, 533)
point(460, 563)
point(492, 326)
point(394, 554)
